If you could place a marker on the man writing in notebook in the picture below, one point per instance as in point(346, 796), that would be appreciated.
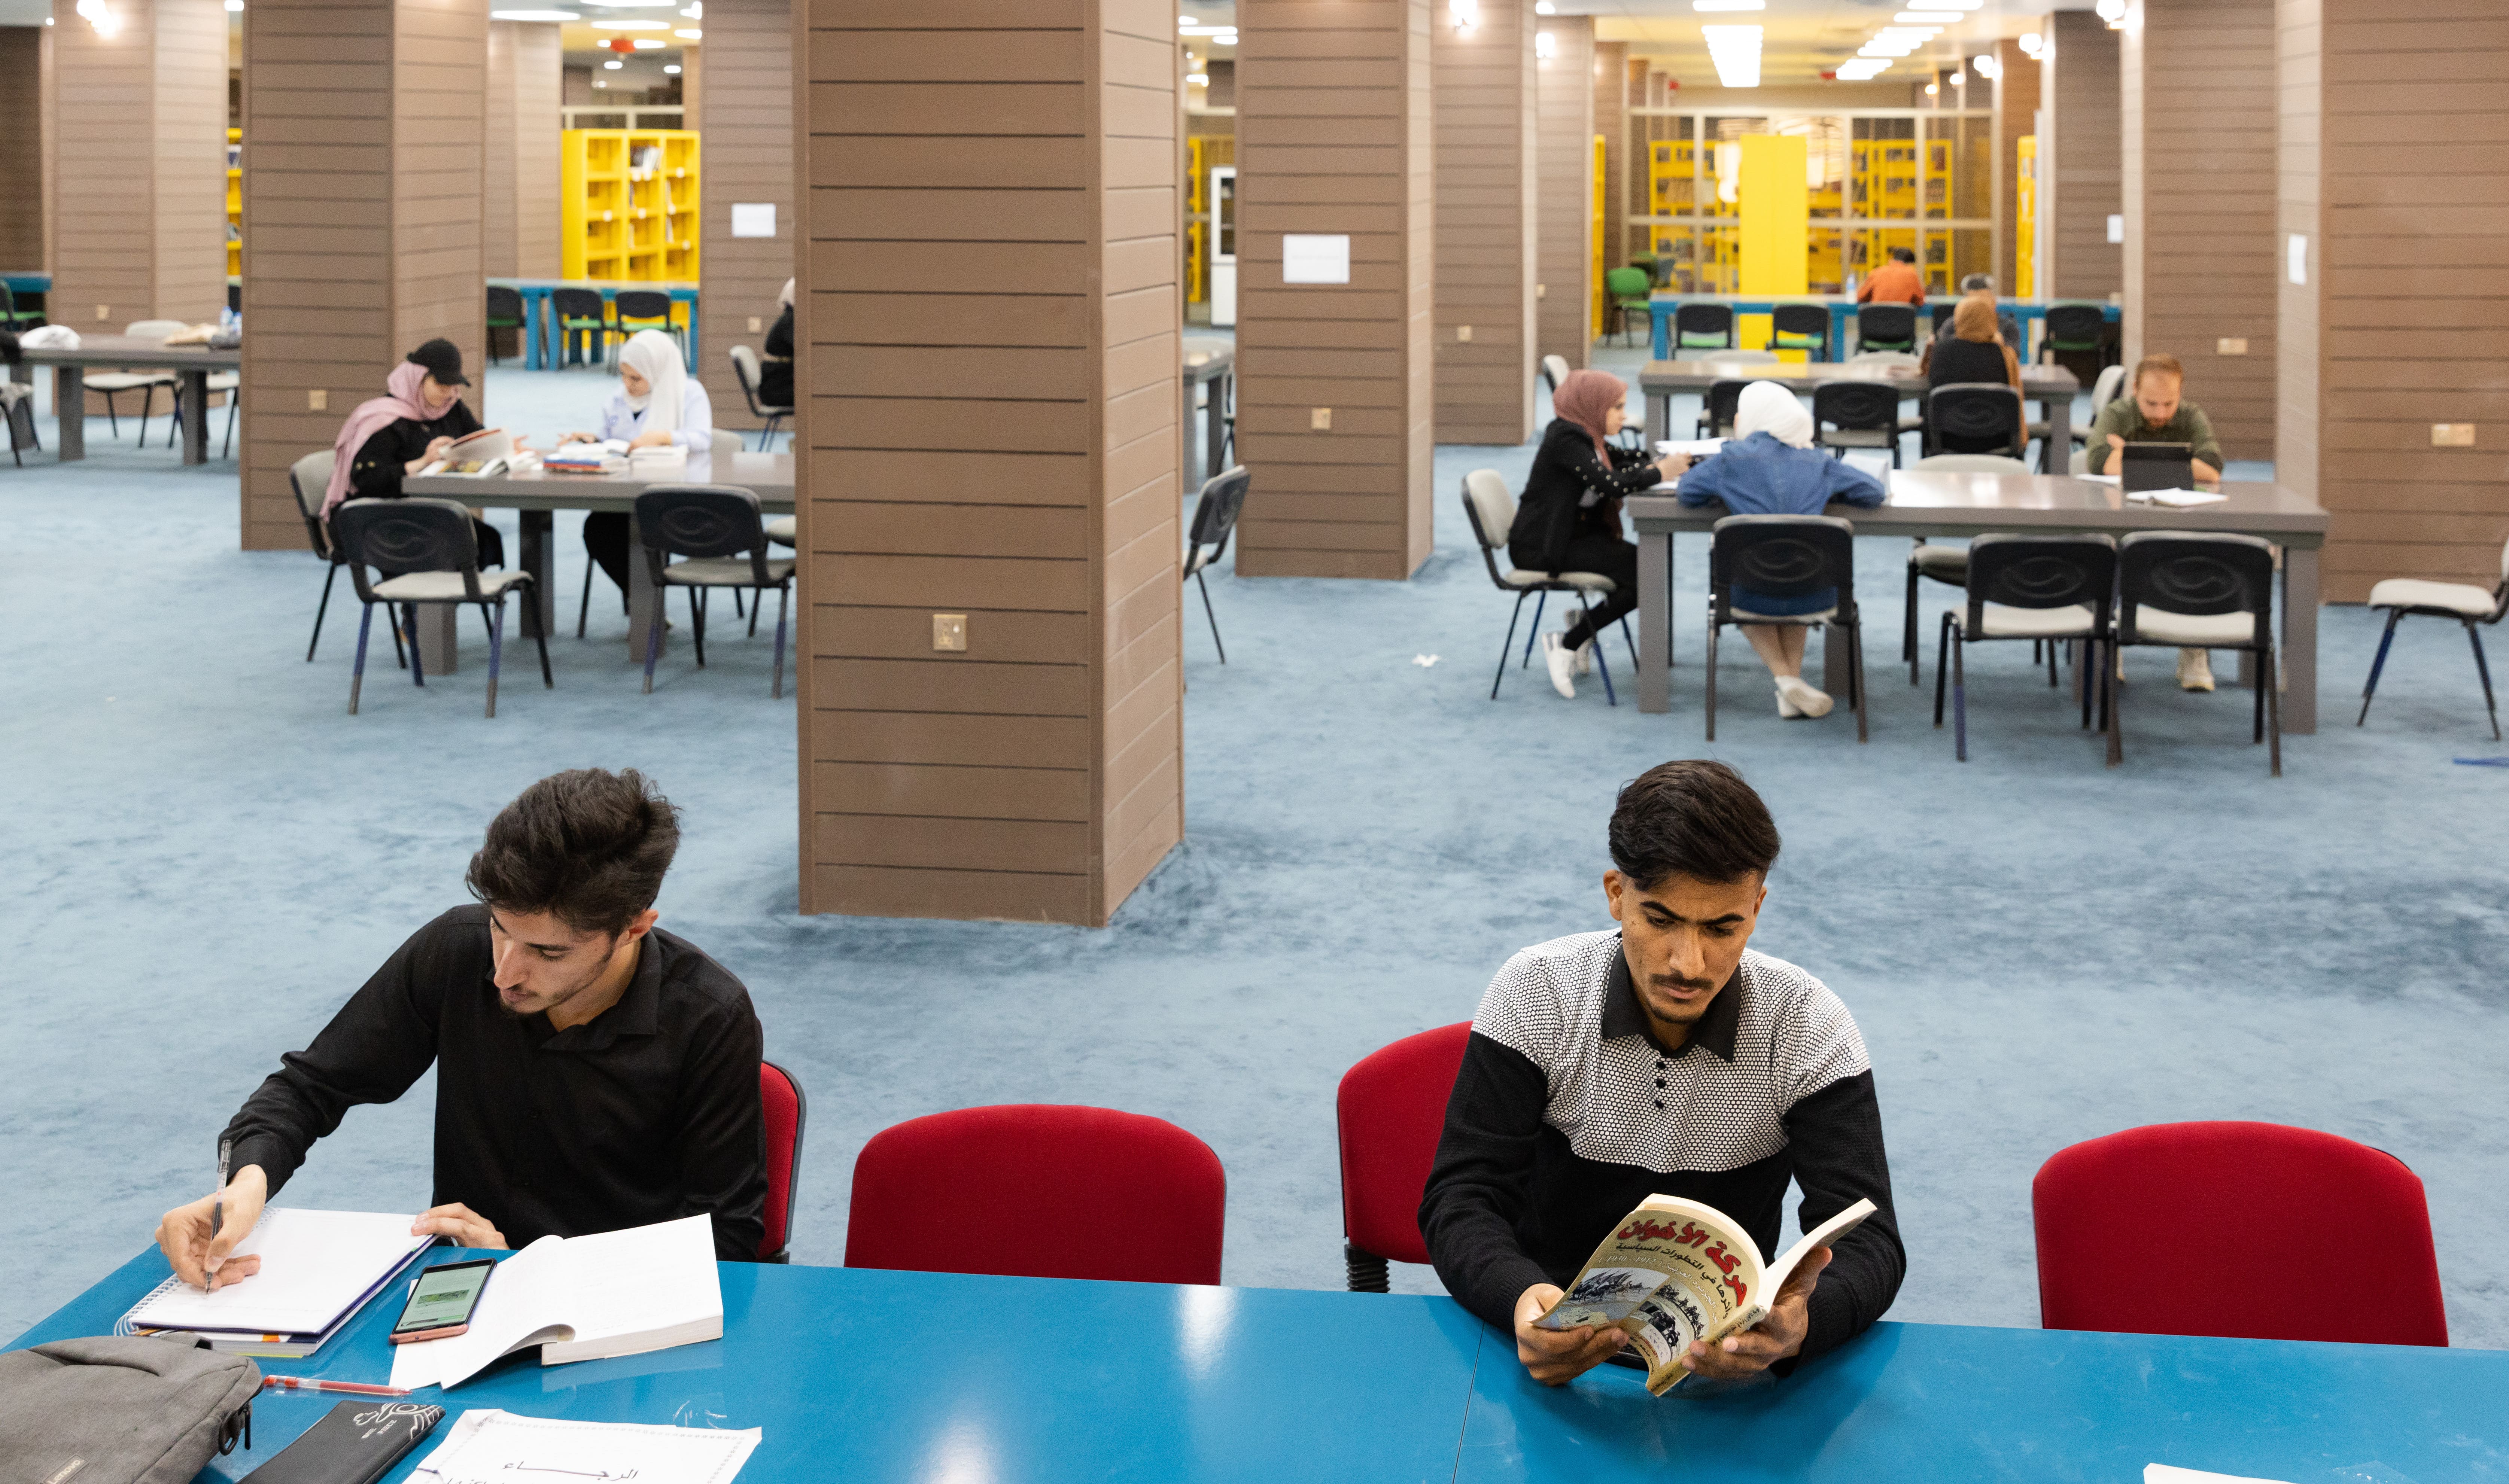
point(593, 1072)
point(1665, 1058)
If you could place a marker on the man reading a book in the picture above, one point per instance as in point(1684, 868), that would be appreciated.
point(1663, 1058)
point(593, 1072)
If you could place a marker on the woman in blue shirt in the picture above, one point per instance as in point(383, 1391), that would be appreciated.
point(658, 403)
point(1770, 467)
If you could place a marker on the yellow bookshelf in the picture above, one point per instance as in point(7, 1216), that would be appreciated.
point(628, 203)
point(234, 203)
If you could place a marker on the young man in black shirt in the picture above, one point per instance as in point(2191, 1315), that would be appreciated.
point(593, 1071)
point(1663, 1057)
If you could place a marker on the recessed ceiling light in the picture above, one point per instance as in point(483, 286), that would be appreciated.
point(1920, 18)
point(533, 16)
point(631, 25)
point(1736, 51)
point(613, 65)
point(672, 69)
point(1729, 5)
point(690, 33)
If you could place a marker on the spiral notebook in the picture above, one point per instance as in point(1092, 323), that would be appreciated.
point(318, 1270)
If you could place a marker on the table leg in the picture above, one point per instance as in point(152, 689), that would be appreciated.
point(692, 334)
point(1660, 331)
point(540, 559)
point(531, 331)
point(2300, 641)
point(69, 409)
point(1214, 426)
point(196, 429)
point(437, 638)
point(1834, 667)
point(1655, 621)
point(2059, 419)
point(644, 600)
point(1658, 416)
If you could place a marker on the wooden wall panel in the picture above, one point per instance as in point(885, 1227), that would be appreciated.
point(1564, 286)
point(2391, 163)
point(1488, 205)
point(2017, 90)
point(2197, 89)
point(747, 116)
point(1313, 81)
point(2079, 156)
point(1017, 463)
point(498, 207)
point(366, 124)
point(140, 130)
point(22, 146)
point(520, 229)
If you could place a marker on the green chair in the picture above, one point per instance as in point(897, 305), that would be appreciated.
point(12, 315)
point(504, 312)
point(1801, 327)
point(579, 312)
point(1628, 288)
point(644, 309)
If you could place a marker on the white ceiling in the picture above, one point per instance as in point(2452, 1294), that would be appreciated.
point(24, 12)
point(1800, 39)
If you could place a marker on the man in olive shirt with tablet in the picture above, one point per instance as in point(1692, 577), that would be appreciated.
point(593, 1072)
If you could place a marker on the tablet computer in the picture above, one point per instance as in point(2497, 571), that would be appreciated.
point(2156, 467)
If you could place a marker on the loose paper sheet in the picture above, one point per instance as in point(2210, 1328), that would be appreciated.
point(494, 1447)
point(2163, 1473)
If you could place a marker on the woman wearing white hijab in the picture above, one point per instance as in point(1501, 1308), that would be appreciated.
point(658, 403)
point(1770, 467)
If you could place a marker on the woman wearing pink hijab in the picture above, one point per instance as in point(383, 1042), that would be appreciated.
point(390, 437)
point(1569, 518)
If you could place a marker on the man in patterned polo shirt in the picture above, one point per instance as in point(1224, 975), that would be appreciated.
point(1667, 1058)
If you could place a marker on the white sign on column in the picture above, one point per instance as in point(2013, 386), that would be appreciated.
point(1310, 258)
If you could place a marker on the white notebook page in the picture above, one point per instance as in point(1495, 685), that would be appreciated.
point(313, 1265)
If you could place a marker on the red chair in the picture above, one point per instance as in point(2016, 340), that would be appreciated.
point(1089, 1193)
point(1391, 1111)
point(2235, 1229)
point(787, 1110)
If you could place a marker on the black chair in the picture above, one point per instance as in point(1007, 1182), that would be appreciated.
point(15, 316)
point(1886, 327)
point(579, 312)
point(1801, 327)
point(2077, 327)
point(1975, 417)
point(1489, 507)
point(744, 365)
point(1215, 516)
point(2463, 601)
point(718, 529)
point(1702, 327)
point(1717, 408)
point(2203, 591)
point(428, 555)
point(2046, 589)
point(645, 308)
point(504, 312)
point(1848, 415)
point(1786, 556)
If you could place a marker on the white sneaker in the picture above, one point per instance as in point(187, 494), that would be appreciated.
point(1585, 650)
point(1785, 707)
point(1809, 701)
point(2195, 670)
point(1563, 665)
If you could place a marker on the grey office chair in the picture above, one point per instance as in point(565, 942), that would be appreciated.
point(2463, 601)
point(2195, 590)
point(1215, 516)
point(2043, 588)
point(717, 528)
point(1948, 565)
point(744, 365)
point(1490, 511)
point(428, 555)
point(1786, 556)
point(114, 383)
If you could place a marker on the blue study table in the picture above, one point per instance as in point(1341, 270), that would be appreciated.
point(540, 315)
point(1842, 310)
point(862, 1376)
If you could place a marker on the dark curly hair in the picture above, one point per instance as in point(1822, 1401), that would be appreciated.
point(588, 846)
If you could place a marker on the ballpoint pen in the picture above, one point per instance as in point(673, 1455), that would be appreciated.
point(352, 1388)
point(218, 1205)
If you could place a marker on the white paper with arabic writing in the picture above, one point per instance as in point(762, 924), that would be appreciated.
point(487, 1446)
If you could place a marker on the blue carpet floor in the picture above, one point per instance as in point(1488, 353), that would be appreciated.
point(205, 855)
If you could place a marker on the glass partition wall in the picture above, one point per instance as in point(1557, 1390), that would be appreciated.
point(1880, 178)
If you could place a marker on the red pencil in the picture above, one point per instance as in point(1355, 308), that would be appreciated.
point(353, 1387)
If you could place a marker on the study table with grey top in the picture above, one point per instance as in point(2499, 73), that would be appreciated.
point(2052, 386)
point(539, 495)
point(1924, 503)
point(191, 366)
point(1207, 362)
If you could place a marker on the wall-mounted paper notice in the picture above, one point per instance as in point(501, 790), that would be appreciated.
point(753, 218)
point(1315, 259)
point(2116, 227)
point(2295, 250)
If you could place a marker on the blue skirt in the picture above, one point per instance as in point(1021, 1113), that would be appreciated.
point(1784, 608)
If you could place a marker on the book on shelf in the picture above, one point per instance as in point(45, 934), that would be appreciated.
point(1678, 1271)
point(584, 1298)
point(475, 455)
point(318, 1270)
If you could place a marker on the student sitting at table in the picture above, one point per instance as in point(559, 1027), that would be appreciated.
point(1975, 352)
point(2005, 324)
point(776, 362)
point(1569, 519)
point(658, 404)
point(1770, 467)
point(390, 437)
point(1604, 1067)
point(592, 1071)
point(2153, 411)
point(1895, 282)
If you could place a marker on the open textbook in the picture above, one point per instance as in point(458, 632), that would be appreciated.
point(584, 1298)
point(477, 455)
point(1676, 1271)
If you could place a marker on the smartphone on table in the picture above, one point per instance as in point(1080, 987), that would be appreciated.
point(442, 1299)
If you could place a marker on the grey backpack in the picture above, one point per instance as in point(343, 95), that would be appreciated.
point(127, 1410)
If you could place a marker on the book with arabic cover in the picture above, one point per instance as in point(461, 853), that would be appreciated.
point(1676, 1271)
point(357, 1442)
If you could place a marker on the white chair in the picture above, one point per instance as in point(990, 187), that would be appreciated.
point(1741, 358)
point(1947, 565)
point(2103, 391)
point(744, 364)
point(114, 383)
point(2463, 601)
point(1491, 508)
point(1882, 359)
point(1554, 370)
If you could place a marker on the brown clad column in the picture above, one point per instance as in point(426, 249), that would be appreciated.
point(989, 322)
point(2079, 157)
point(746, 111)
point(1333, 390)
point(365, 124)
point(1564, 290)
point(524, 82)
point(1485, 110)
